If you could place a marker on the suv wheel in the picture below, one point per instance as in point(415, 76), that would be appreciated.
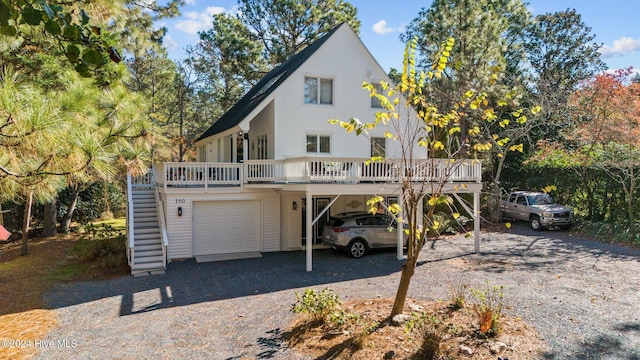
point(535, 223)
point(357, 249)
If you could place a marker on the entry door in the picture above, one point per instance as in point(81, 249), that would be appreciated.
point(319, 204)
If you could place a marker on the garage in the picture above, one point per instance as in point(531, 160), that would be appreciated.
point(223, 227)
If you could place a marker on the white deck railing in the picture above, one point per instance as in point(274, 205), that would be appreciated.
point(314, 170)
point(130, 225)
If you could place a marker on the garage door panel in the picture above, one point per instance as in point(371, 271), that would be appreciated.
point(226, 227)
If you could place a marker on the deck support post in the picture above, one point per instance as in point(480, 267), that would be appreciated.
point(476, 222)
point(309, 228)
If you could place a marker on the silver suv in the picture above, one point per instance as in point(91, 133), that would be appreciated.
point(359, 232)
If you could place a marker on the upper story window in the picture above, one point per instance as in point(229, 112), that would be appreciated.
point(319, 144)
point(378, 147)
point(318, 90)
point(375, 102)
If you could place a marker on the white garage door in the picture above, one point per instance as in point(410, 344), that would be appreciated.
point(222, 227)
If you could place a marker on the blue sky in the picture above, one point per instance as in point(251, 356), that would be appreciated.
point(614, 22)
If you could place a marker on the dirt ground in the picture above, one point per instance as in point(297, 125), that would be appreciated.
point(444, 333)
point(23, 282)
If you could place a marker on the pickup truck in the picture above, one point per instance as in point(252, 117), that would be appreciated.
point(538, 209)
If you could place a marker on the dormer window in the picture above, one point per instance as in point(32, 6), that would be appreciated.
point(318, 90)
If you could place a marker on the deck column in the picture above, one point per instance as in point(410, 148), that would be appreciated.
point(476, 221)
point(234, 147)
point(309, 227)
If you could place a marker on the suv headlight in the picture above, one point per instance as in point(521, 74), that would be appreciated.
point(547, 214)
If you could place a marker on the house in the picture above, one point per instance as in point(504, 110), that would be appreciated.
point(272, 169)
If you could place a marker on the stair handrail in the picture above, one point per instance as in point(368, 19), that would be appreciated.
point(130, 226)
point(163, 227)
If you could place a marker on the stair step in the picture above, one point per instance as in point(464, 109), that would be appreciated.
point(146, 247)
point(147, 253)
point(146, 230)
point(145, 197)
point(148, 236)
point(144, 205)
point(148, 266)
point(137, 201)
point(147, 260)
point(145, 224)
point(147, 240)
point(144, 214)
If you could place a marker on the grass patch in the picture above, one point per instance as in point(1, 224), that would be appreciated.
point(67, 272)
point(119, 224)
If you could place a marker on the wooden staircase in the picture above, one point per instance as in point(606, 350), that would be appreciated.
point(148, 256)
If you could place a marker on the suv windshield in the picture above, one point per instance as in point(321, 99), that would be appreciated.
point(540, 199)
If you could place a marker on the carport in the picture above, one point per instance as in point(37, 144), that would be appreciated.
point(312, 190)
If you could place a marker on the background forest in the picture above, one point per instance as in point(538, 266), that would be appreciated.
point(88, 93)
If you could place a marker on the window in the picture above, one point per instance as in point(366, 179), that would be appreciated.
point(262, 146)
point(378, 146)
point(375, 102)
point(318, 90)
point(319, 144)
point(202, 153)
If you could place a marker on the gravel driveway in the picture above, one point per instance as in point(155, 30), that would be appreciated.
point(582, 296)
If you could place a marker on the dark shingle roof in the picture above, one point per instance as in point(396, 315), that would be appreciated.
point(263, 88)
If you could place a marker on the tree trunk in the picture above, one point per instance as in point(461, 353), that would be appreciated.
point(632, 189)
point(50, 215)
point(25, 223)
point(495, 210)
point(66, 221)
point(408, 269)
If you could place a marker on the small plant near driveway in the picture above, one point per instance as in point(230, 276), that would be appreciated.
point(319, 304)
point(489, 302)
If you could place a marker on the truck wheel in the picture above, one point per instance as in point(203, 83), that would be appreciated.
point(535, 223)
point(357, 248)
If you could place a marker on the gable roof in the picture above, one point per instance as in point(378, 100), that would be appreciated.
point(264, 88)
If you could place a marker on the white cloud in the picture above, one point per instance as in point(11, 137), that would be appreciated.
point(193, 22)
point(168, 41)
point(381, 28)
point(190, 2)
point(622, 46)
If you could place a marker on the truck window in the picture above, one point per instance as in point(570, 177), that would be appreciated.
point(512, 198)
point(522, 200)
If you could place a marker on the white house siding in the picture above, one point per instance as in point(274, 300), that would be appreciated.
point(290, 226)
point(344, 59)
point(180, 228)
point(263, 123)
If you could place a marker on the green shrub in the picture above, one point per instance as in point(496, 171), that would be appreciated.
point(421, 322)
point(488, 306)
point(610, 232)
point(102, 244)
point(318, 304)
